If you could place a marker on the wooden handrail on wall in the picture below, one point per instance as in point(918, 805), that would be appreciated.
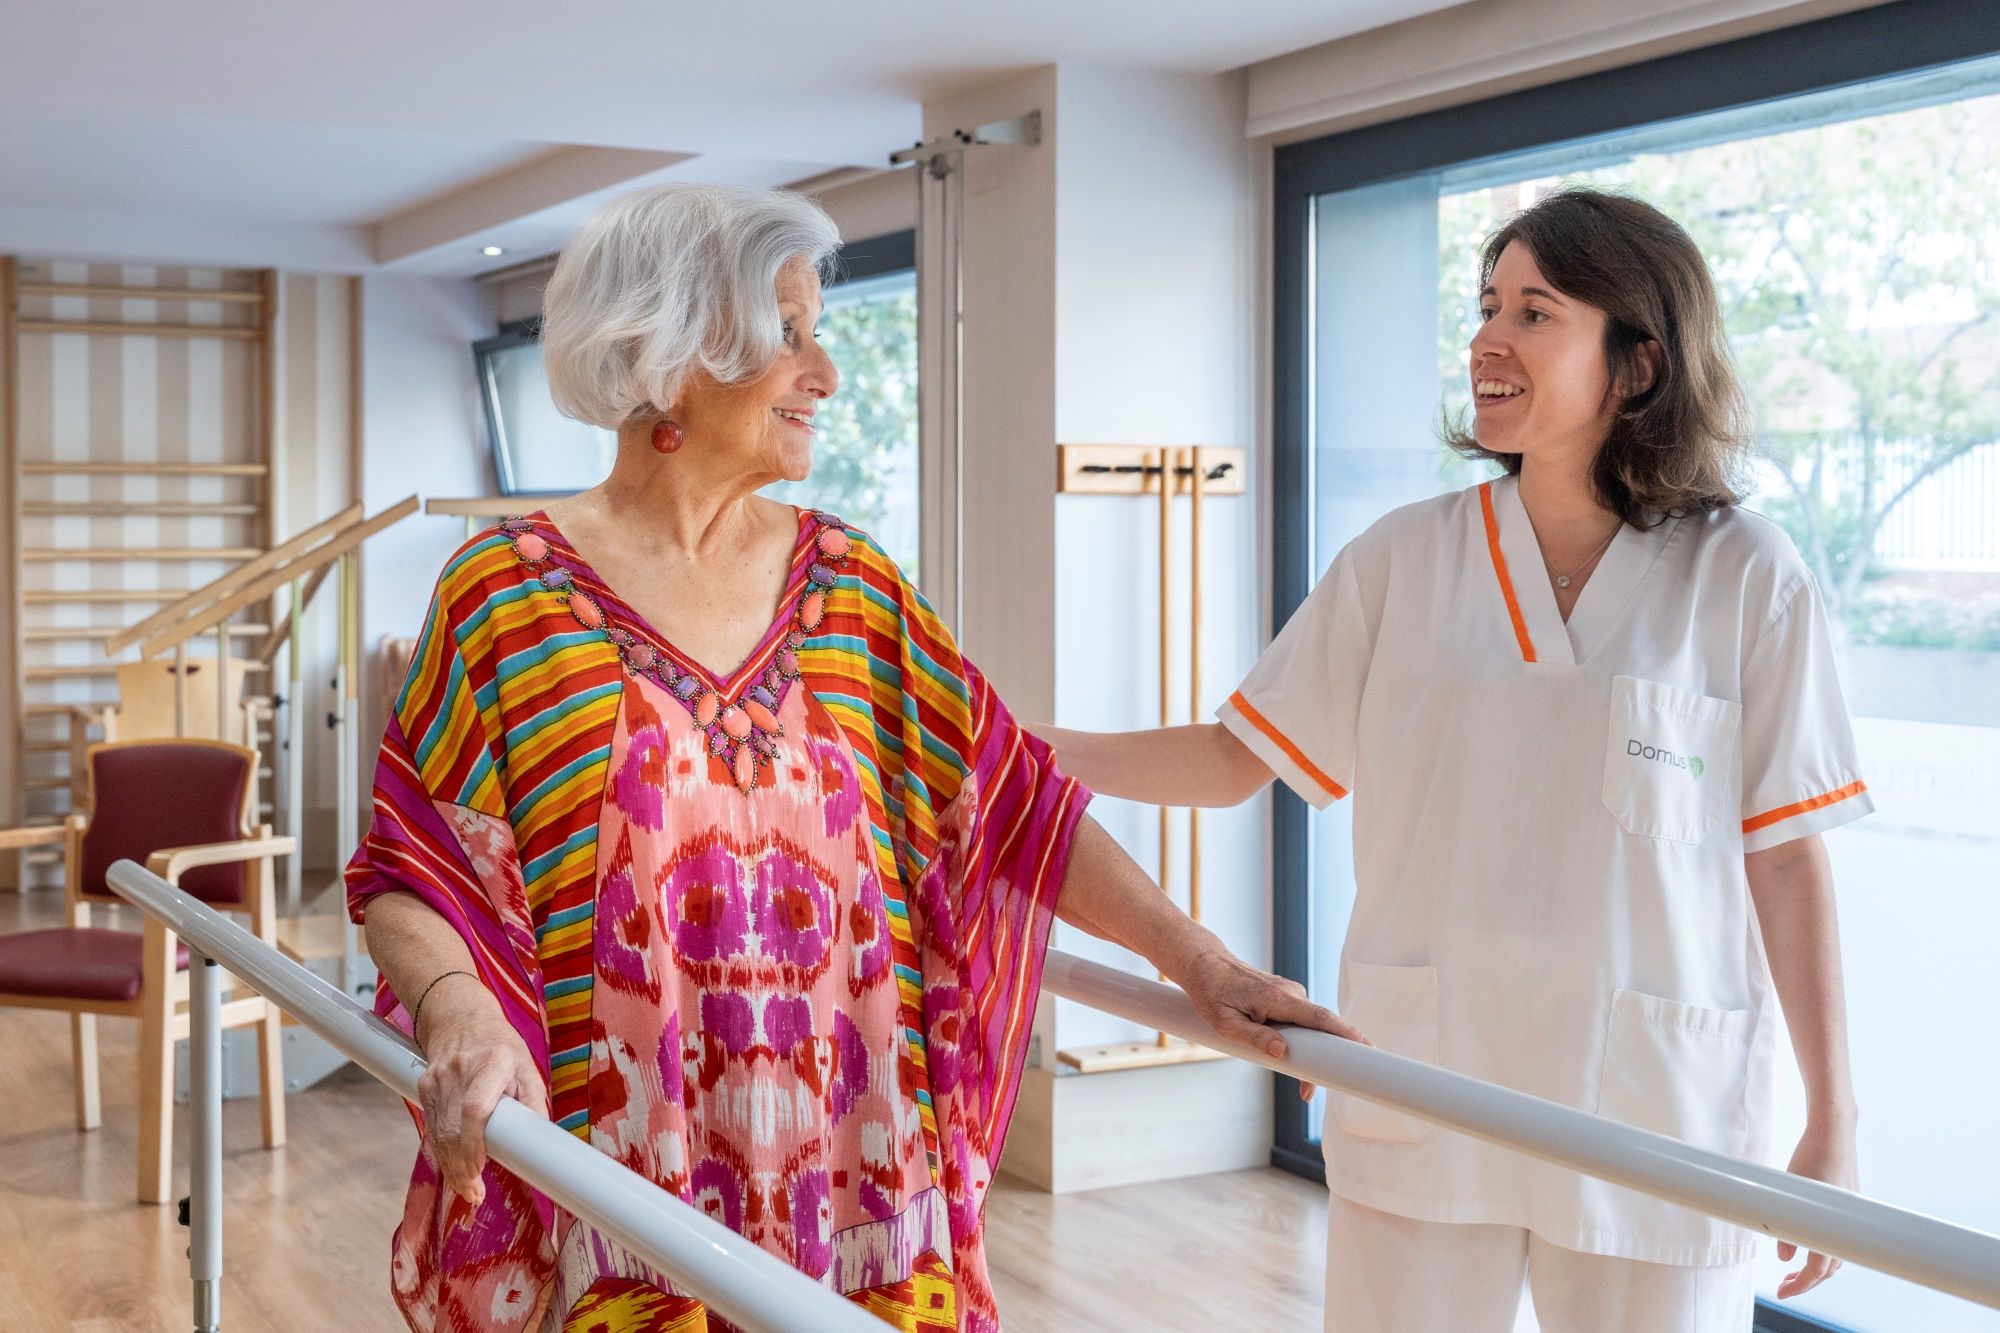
point(339, 539)
point(202, 597)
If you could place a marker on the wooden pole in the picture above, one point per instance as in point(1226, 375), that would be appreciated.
point(1194, 665)
point(181, 688)
point(295, 736)
point(1166, 655)
point(222, 693)
point(14, 874)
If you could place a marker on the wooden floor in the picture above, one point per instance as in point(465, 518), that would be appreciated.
point(306, 1228)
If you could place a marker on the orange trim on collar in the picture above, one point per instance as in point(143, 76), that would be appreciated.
point(1784, 812)
point(1500, 572)
point(1292, 752)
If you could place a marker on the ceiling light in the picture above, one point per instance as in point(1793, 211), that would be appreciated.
point(491, 251)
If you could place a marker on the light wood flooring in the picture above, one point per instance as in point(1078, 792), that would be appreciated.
point(306, 1228)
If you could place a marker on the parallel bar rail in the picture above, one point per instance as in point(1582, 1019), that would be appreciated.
point(1820, 1217)
point(733, 1276)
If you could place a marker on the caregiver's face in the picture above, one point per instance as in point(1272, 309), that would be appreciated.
point(1540, 381)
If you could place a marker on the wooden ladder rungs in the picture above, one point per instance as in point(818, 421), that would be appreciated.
point(107, 631)
point(108, 291)
point(106, 669)
point(136, 508)
point(243, 332)
point(140, 553)
point(49, 468)
point(45, 598)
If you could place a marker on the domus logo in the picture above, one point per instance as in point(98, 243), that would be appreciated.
point(1654, 754)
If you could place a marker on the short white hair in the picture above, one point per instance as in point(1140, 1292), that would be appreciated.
point(667, 281)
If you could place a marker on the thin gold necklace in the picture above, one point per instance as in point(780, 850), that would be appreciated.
point(1563, 580)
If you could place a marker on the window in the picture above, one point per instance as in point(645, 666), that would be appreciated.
point(536, 449)
point(865, 455)
point(1841, 180)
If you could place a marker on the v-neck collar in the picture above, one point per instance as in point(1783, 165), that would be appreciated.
point(741, 714)
point(1530, 602)
point(728, 685)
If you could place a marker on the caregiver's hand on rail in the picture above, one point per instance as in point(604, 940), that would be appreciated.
point(474, 1056)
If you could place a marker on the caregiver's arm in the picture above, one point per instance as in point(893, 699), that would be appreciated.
point(1106, 894)
point(1792, 887)
point(1198, 765)
point(474, 1055)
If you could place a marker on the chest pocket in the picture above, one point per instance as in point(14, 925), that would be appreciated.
point(1670, 760)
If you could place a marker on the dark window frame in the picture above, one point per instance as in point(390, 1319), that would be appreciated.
point(1905, 37)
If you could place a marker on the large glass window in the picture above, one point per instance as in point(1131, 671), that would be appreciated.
point(865, 458)
point(1856, 243)
point(865, 455)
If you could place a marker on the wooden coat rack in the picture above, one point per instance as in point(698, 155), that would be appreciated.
point(1196, 471)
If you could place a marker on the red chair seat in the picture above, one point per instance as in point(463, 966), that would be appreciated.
point(76, 963)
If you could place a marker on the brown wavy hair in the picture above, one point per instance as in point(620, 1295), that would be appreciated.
point(1682, 443)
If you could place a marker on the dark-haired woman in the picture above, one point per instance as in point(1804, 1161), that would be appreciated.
point(1590, 718)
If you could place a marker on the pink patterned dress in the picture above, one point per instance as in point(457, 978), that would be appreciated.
point(775, 937)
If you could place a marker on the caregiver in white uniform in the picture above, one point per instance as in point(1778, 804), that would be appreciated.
point(1589, 716)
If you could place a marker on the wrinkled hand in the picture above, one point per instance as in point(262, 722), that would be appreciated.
point(475, 1059)
point(1240, 1003)
point(1827, 1153)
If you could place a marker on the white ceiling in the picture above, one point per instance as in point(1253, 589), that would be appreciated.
point(244, 118)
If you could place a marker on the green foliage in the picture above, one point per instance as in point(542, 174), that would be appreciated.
point(864, 458)
point(1910, 618)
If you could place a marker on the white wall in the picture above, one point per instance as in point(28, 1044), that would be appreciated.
point(1109, 297)
point(1154, 339)
point(1007, 624)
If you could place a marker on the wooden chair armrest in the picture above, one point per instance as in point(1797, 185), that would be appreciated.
point(17, 839)
point(173, 862)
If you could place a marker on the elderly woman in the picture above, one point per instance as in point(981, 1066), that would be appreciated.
point(694, 830)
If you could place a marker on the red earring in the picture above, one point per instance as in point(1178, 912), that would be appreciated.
point(667, 436)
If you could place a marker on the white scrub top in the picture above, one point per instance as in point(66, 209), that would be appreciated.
point(1549, 829)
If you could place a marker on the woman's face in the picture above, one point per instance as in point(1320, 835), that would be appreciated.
point(1540, 382)
point(765, 425)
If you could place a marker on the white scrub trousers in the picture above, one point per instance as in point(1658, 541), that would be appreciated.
point(1389, 1274)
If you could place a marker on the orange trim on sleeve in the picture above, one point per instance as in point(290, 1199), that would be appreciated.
point(1500, 571)
point(1292, 752)
point(1784, 812)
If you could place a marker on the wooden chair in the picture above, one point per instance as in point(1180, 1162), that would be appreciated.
point(183, 809)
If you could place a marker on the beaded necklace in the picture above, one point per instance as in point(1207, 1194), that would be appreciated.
point(742, 732)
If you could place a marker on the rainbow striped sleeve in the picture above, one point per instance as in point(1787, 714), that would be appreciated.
point(974, 823)
point(441, 826)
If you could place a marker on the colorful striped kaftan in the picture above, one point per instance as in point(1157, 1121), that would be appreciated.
point(775, 937)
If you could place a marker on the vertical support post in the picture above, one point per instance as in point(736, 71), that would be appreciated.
point(205, 1135)
point(13, 865)
point(350, 764)
point(1195, 485)
point(295, 745)
point(1166, 659)
point(272, 488)
point(940, 243)
point(222, 709)
point(181, 688)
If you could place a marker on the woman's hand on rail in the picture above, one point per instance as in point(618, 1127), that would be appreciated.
point(475, 1058)
point(1241, 1002)
point(1826, 1152)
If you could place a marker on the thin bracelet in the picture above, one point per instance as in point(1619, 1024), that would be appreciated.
point(416, 1014)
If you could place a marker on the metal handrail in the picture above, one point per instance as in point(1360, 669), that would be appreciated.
point(1821, 1217)
point(735, 1277)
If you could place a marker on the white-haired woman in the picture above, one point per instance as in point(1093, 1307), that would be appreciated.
point(753, 899)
